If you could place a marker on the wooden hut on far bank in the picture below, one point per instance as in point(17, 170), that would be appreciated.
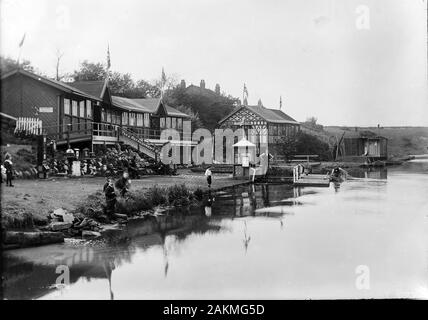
point(360, 145)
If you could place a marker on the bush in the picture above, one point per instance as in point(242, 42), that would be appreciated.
point(198, 194)
point(179, 195)
point(156, 195)
point(137, 201)
point(304, 143)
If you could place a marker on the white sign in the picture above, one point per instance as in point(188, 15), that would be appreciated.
point(75, 169)
point(245, 161)
point(46, 109)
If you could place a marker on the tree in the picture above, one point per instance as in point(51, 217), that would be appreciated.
point(59, 56)
point(147, 90)
point(288, 146)
point(121, 84)
point(194, 117)
point(90, 71)
point(303, 143)
point(311, 122)
point(210, 108)
point(8, 64)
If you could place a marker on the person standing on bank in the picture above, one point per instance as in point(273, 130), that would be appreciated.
point(9, 170)
point(123, 184)
point(110, 197)
point(208, 174)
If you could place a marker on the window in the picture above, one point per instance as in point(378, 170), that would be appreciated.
point(139, 119)
point(274, 131)
point(108, 116)
point(173, 123)
point(125, 118)
point(82, 109)
point(179, 123)
point(132, 119)
point(162, 122)
point(88, 109)
point(74, 109)
point(168, 122)
point(66, 106)
point(103, 114)
point(146, 120)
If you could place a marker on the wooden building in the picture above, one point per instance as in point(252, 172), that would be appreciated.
point(360, 145)
point(261, 126)
point(85, 114)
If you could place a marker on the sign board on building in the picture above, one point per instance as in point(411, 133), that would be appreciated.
point(46, 109)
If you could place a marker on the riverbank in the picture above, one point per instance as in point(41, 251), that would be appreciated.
point(29, 206)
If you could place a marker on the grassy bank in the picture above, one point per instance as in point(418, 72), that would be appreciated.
point(30, 202)
point(142, 199)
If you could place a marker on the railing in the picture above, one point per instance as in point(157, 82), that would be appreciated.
point(105, 129)
point(147, 133)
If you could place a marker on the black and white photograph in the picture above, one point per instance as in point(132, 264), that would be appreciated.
point(212, 150)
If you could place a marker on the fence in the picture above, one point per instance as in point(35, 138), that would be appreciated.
point(30, 126)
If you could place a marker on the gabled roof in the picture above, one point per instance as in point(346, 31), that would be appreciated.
point(127, 104)
point(50, 82)
point(149, 105)
point(269, 115)
point(93, 88)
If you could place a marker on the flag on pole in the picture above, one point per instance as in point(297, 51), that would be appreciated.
point(280, 102)
point(22, 41)
point(163, 82)
point(108, 57)
point(245, 91)
point(245, 95)
point(163, 79)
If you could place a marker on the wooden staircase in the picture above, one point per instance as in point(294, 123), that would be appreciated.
point(129, 138)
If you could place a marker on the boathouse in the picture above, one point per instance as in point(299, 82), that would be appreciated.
point(362, 145)
point(261, 126)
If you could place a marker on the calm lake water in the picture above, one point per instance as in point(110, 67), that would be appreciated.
point(262, 241)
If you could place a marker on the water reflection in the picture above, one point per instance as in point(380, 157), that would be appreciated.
point(200, 252)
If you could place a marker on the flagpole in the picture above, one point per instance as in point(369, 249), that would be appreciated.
point(20, 49)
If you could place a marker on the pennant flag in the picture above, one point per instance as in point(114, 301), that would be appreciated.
point(245, 95)
point(163, 82)
point(22, 41)
point(245, 91)
point(163, 79)
point(108, 57)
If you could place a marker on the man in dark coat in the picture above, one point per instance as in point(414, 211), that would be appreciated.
point(110, 197)
point(9, 170)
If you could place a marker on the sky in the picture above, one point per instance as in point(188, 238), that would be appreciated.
point(345, 62)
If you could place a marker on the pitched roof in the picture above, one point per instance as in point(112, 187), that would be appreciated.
point(149, 105)
point(351, 133)
point(127, 104)
point(50, 82)
point(93, 88)
point(269, 115)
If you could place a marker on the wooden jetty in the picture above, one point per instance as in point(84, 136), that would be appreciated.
point(309, 180)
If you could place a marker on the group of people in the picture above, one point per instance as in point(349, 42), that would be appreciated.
point(7, 170)
point(122, 186)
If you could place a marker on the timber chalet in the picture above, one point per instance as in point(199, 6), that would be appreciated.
point(85, 114)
